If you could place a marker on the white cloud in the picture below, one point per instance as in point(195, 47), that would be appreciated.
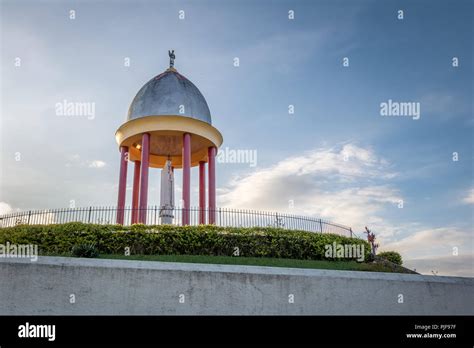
point(339, 184)
point(469, 199)
point(97, 164)
point(76, 161)
point(433, 243)
point(5, 208)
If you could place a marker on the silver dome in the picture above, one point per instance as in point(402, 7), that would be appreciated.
point(169, 93)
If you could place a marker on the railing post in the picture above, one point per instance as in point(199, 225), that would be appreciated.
point(89, 218)
point(321, 225)
point(29, 215)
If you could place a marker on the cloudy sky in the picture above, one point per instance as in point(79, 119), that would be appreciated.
point(336, 156)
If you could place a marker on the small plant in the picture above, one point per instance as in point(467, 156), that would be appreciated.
point(19, 221)
point(371, 239)
point(85, 250)
point(391, 256)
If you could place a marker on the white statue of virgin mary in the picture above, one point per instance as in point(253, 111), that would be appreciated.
point(167, 194)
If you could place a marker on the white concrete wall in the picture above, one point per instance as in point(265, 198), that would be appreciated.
point(143, 287)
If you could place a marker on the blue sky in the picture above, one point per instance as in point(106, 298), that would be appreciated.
point(282, 62)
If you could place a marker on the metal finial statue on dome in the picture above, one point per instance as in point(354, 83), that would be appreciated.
point(172, 58)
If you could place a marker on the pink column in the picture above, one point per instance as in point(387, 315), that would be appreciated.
point(136, 191)
point(202, 192)
point(143, 201)
point(186, 178)
point(211, 154)
point(122, 184)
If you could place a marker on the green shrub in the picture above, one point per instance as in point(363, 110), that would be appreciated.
point(391, 256)
point(85, 250)
point(176, 240)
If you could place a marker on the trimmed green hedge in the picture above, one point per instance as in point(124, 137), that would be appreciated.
point(173, 240)
point(391, 256)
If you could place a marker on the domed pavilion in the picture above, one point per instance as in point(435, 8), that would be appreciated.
point(168, 126)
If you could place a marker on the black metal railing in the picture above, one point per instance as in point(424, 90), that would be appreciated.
point(224, 217)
